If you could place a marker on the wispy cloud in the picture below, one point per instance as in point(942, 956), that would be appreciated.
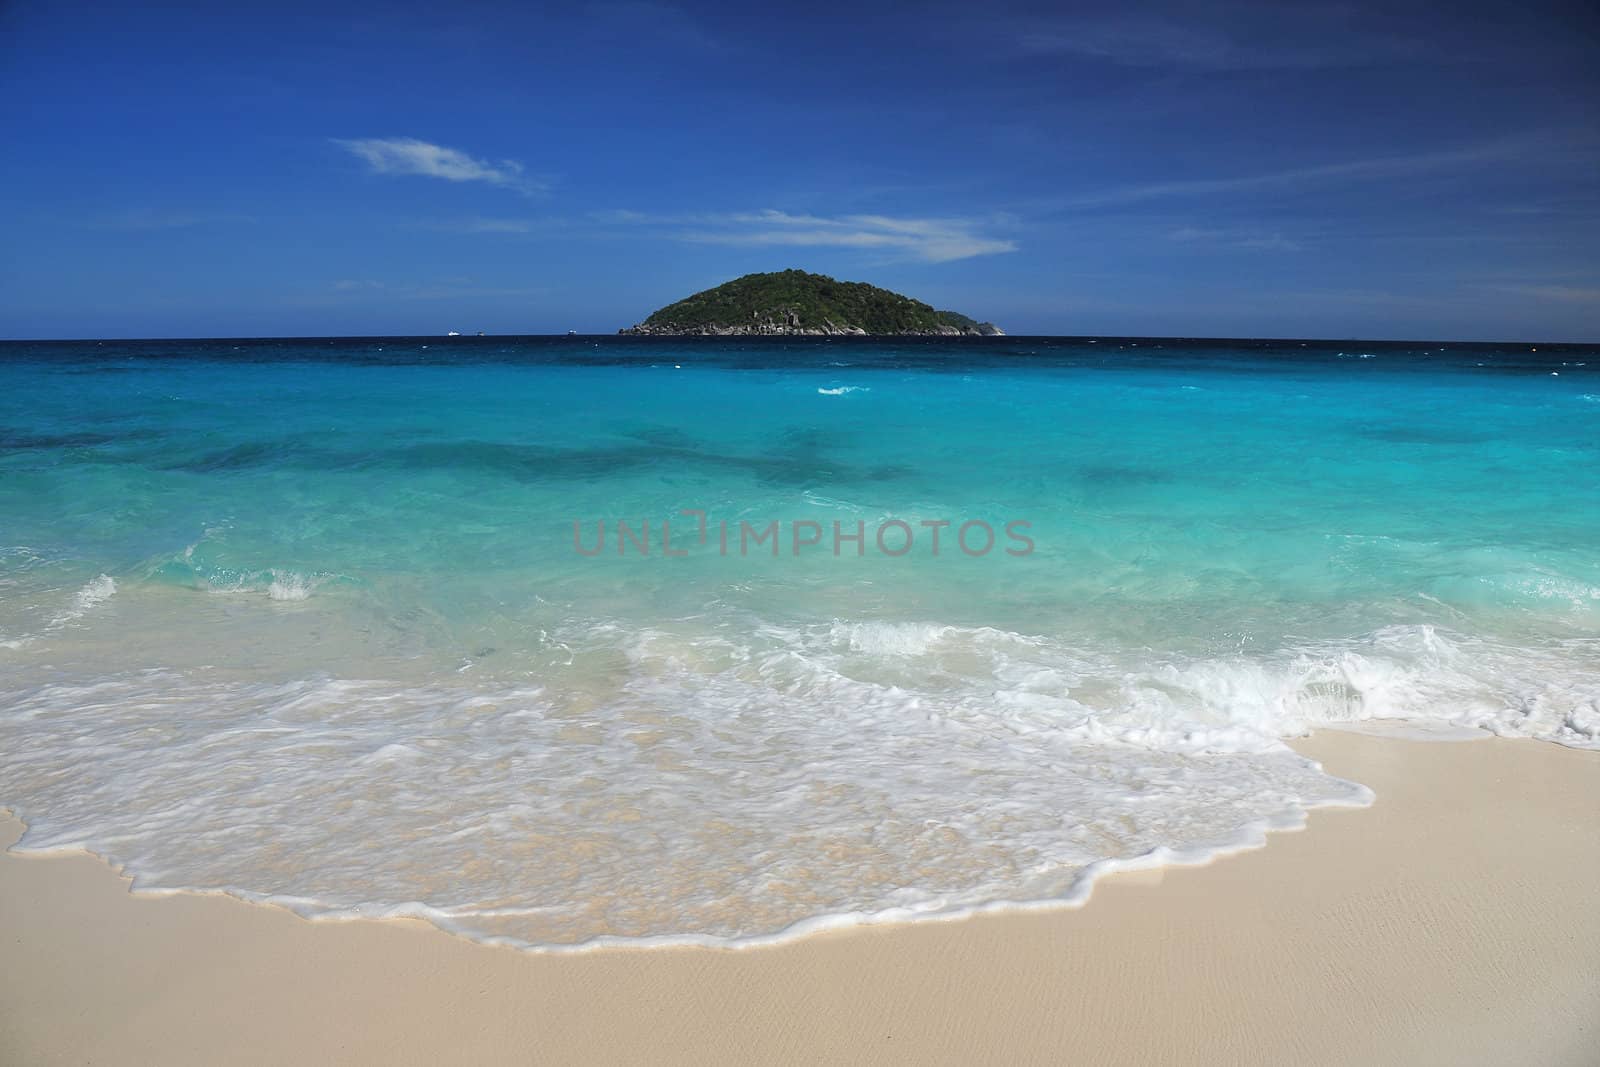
point(1563, 294)
point(1301, 177)
point(1572, 207)
point(481, 224)
point(407, 155)
point(933, 240)
point(439, 289)
point(640, 21)
point(1292, 37)
point(1254, 239)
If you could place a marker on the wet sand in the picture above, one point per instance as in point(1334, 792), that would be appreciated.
point(1454, 922)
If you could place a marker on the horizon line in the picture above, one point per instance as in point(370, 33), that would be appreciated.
point(852, 339)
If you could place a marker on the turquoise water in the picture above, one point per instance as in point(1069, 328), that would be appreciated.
point(309, 621)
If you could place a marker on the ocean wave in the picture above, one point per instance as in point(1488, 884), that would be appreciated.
point(725, 809)
point(740, 785)
point(28, 627)
point(95, 592)
point(196, 568)
point(1416, 673)
point(292, 585)
point(275, 582)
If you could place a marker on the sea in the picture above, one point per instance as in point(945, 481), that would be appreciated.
point(576, 642)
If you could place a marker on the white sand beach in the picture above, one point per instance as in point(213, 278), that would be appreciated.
point(1451, 923)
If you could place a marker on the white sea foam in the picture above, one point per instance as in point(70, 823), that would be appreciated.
point(841, 390)
point(85, 600)
point(732, 808)
point(290, 585)
point(277, 583)
point(738, 785)
point(832, 503)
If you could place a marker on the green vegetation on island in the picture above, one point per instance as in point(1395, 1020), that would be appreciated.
point(795, 302)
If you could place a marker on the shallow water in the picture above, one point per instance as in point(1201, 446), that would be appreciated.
point(312, 622)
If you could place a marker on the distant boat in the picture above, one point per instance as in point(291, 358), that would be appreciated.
point(572, 333)
point(453, 333)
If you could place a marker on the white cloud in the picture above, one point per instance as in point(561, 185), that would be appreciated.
point(1351, 170)
point(1259, 240)
point(407, 155)
point(1291, 38)
point(1188, 234)
point(1270, 242)
point(656, 25)
point(1565, 294)
point(930, 240)
point(437, 289)
point(479, 224)
point(495, 226)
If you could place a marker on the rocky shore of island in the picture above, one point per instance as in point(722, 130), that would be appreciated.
point(794, 303)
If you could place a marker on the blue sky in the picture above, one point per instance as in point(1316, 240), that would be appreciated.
point(1252, 169)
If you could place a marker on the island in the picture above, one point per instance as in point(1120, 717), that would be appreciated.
point(797, 303)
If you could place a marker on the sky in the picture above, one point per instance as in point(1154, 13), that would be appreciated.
point(1334, 170)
